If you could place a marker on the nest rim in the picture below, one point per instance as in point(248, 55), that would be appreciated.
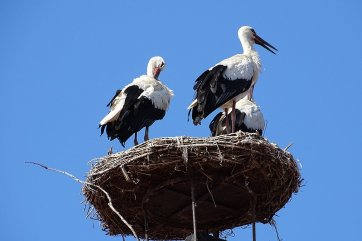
point(133, 175)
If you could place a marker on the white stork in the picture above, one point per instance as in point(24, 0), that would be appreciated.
point(249, 118)
point(137, 105)
point(230, 80)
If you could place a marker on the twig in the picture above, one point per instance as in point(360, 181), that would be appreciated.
point(90, 184)
point(125, 173)
point(63, 172)
point(110, 151)
point(89, 212)
point(274, 225)
point(208, 189)
point(288, 146)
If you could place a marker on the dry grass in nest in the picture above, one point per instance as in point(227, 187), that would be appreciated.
point(238, 179)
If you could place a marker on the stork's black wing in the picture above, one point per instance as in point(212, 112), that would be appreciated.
point(115, 128)
point(215, 123)
point(214, 90)
point(117, 93)
point(219, 122)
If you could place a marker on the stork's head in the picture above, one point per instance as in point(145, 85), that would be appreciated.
point(248, 37)
point(155, 65)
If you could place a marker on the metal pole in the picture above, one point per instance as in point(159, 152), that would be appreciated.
point(146, 224)
point(254, 232)
point(193, 209)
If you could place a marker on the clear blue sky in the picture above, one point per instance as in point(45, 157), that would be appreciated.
point(61, 62)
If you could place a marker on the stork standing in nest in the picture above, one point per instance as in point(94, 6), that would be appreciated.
point(138, 105)
point(230, 80)
point(249, 118)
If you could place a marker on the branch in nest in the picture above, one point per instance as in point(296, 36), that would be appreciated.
point(274, 225)
point(288, 146)
point(90, 184)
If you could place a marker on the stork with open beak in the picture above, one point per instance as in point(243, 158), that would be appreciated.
point(230, 80)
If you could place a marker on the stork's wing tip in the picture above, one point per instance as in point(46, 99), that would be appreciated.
point(197, 121)
point(102, 128)
point(192, 105)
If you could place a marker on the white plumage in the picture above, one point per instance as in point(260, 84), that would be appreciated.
point(249, 118)
point(139, 104)
point(240, 66)
point(230, 80)
point(254, 118)
point(159, 94)
point(115, 109)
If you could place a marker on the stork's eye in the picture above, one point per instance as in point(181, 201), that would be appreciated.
point(162, 64)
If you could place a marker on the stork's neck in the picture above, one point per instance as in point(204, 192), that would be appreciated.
point(247, 47)
point(150, 70)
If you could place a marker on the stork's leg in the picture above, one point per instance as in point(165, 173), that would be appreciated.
point(233, 117)
point(251, 92)
point(227, 121)
point(135, 139)
point(146, 134)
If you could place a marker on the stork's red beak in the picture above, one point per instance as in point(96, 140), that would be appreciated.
point(264, 44)
point(156, 72)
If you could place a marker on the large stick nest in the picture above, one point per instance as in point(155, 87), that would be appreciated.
point(238, 179)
